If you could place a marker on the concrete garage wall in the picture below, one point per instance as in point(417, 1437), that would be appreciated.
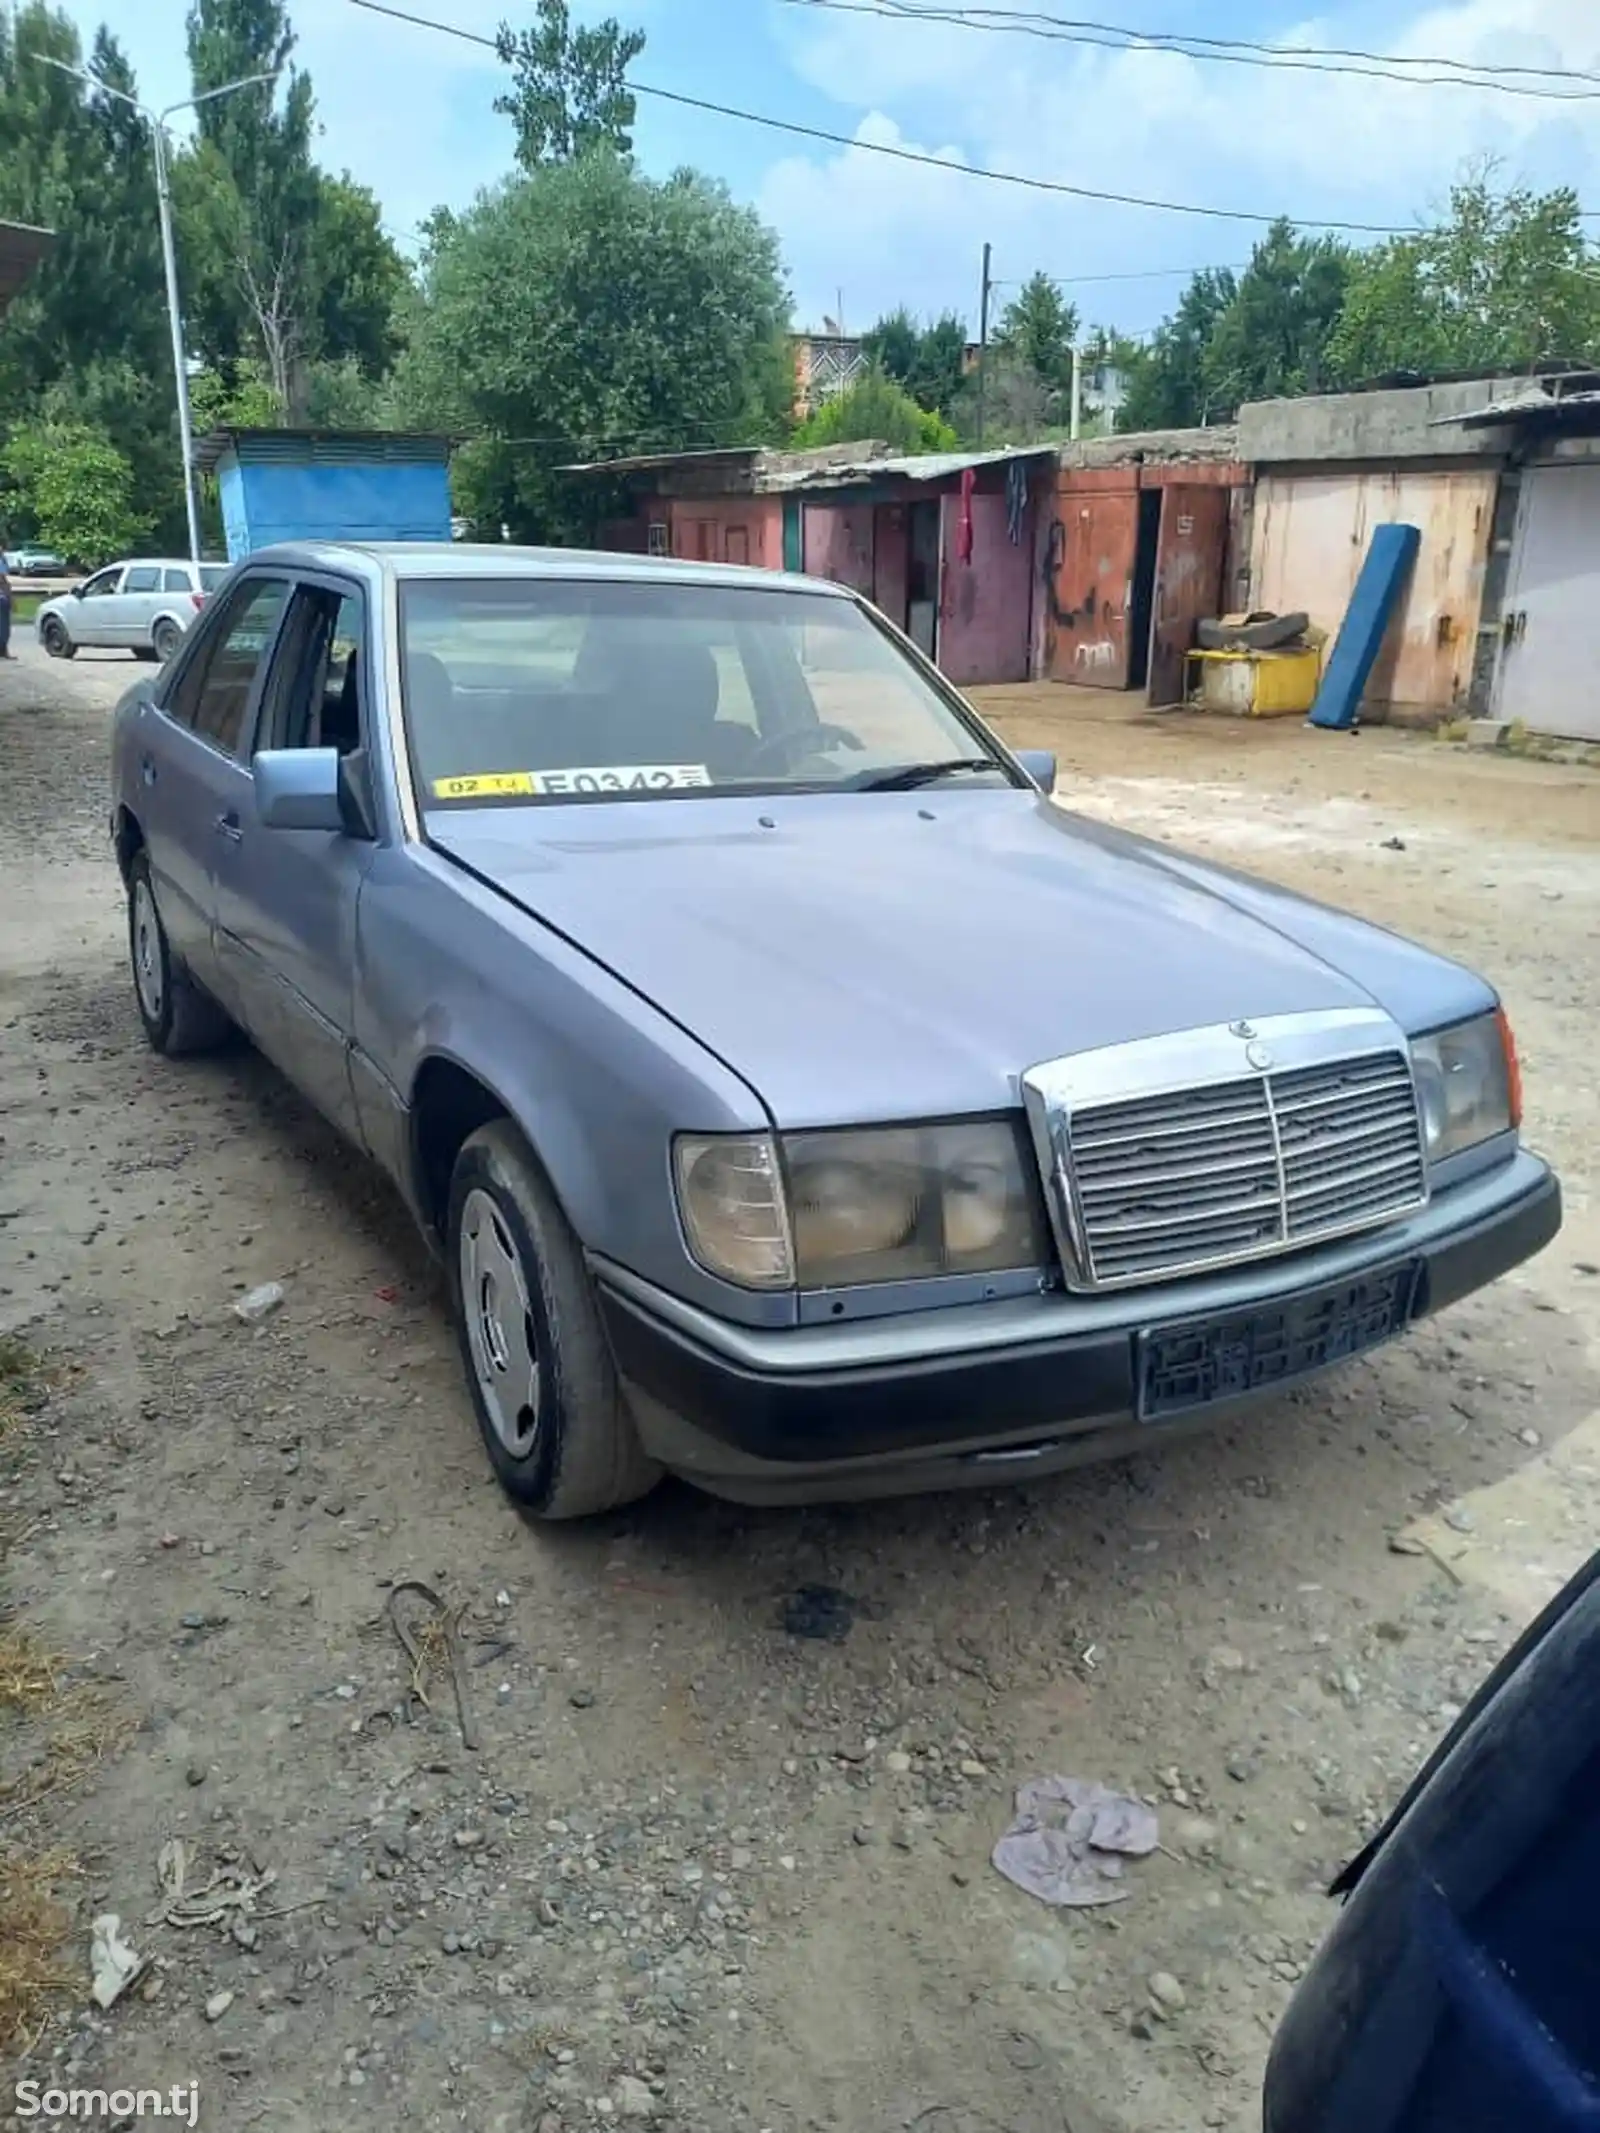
point(838, 544)
point(727, 529)
point(1308, 542)
point(1409, 422)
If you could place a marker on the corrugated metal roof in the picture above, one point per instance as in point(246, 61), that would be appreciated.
point(648, 462)
point(1527, 405)
point(775, 477)
point(339, 447)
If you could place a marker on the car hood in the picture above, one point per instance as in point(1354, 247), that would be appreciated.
point(858, 956)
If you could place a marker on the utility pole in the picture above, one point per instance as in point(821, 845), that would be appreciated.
point(983, 339)
point(1075, 416)
point(157, 122)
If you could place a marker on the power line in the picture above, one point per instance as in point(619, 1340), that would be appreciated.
point(948, 165)
point(1230, 51)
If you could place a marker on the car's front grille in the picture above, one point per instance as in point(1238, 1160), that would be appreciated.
point(1191, 1178)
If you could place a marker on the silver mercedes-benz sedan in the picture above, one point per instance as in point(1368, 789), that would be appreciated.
point(802, 1101)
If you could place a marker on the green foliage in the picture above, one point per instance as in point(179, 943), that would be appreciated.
point(569, 91)
point(1506, 282)
point(927, 362)
point(1272, 340)
point(1167, 386)
point(77, 488)
point(584, 309)
point(284, 265)
point(1015, 406)
point(876, 407)
point(1037, 330)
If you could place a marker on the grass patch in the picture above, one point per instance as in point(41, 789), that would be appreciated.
point(37, 1923)
point(27, 1380)
point(78, 1726)
point(30, 1677)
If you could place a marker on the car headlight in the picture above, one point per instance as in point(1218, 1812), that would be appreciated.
point(1468, 1086)
point(860, 1204)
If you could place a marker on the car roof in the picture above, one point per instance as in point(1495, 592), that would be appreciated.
point(496, 561)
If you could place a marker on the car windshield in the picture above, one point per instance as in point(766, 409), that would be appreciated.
point(533, 690)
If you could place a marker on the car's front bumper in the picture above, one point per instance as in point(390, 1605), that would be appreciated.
point(935, 1399)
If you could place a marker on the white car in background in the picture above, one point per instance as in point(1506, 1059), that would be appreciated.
point(142, 606)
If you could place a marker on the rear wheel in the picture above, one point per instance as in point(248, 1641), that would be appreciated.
point(177, 1015)
point(543, 1385)
point(165, 638)
point(53, 636)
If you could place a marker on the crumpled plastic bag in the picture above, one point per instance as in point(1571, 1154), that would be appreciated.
point(1069, 1838)
point(113, 1962)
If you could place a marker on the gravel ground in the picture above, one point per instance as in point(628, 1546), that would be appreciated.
point(701, 1873)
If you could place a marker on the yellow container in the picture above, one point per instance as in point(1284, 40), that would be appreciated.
point(1255, 684)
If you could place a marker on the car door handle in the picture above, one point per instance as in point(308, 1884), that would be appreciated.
point(147, 770)
point(228, 826)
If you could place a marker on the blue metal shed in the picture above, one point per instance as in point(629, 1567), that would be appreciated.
point(334, 485)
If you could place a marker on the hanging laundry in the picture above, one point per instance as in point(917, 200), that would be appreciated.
point(969, 481)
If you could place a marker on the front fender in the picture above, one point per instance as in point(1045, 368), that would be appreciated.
point(596, 1077)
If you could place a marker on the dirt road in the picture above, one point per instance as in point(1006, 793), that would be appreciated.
point(702, 1873)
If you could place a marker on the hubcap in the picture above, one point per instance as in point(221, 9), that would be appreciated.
point(500, 1335)
point(147, 952)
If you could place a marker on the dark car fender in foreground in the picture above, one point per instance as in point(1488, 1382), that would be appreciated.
point(1459, 1991)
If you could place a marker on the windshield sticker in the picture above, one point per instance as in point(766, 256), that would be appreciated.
point(567, 784)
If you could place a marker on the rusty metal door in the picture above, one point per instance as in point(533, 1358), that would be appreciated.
point(1194, 533)
point(1088, 576)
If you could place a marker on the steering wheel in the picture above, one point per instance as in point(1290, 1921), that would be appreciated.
point(775, 751)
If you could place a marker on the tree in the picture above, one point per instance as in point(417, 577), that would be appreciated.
point(1506, 282)
point(86, 341)
point(1037, 329)
point(584, 309)
point(928, 362)
point(1017, 406)
point(77, 488)
point(1272, 339)
point(876, 408)
point(284, 265)
point(569, 87)
point(1167, 384)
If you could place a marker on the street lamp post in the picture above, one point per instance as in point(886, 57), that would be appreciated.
point(157, 122)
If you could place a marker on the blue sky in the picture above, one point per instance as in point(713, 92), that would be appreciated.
point(409, 112)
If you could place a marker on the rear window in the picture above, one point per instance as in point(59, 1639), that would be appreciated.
point(212, 575)
point(175, 581)
point(533, 690)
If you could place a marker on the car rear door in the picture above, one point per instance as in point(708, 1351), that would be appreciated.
point(135, 605)
point(193, 791)
point(286, 899)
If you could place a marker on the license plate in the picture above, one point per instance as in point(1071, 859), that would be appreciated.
point(1211, 1359)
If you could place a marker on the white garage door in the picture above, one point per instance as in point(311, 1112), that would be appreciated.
point(1550, 650)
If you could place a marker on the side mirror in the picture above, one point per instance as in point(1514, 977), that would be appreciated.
point(1040, 765)
point(298, 789)
point(77, 592)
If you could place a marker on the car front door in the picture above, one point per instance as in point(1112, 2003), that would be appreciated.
point(94, 613)
point(194, 793)
point(135, 605)
point(286, 899)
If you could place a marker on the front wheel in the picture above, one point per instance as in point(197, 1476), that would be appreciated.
point(53, 636)
point(177, 1015)
point(543, 1385)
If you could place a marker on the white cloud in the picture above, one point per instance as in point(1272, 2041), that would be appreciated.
point(1156, 124)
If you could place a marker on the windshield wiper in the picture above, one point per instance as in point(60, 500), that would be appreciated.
point(911, 775)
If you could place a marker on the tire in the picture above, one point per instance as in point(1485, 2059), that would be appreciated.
point(53, 636)
point(177, 1015)
point(165, 639)
point(570, 1448)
